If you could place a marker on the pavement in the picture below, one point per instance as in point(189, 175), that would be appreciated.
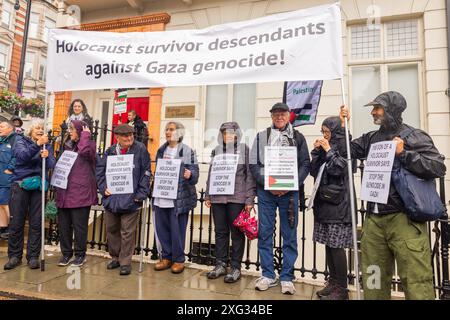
point(94, 282)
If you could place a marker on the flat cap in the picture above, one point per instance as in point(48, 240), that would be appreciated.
point(279, 106)
point(123, 129)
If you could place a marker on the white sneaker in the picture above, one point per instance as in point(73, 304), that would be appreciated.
point(264, 283)
point(287, 287)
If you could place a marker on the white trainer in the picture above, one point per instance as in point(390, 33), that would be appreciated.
point(264, 283)
point(287, 287)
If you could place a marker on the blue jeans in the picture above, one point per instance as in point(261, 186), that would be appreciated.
point(267, 205)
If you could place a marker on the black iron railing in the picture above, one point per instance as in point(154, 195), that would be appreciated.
point(200, 237)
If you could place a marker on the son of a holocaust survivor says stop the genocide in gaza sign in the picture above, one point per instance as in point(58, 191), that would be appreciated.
point(297, 45)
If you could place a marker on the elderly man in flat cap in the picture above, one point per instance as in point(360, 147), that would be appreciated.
point(123, 176)
point(278, 193)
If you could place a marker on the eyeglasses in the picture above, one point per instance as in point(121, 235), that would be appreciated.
point(278, 115)
point(325, 131)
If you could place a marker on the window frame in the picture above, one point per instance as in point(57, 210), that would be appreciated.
point(206, 150)
point(46, 29)
point(37, 27)
point(7, 55)
point(383, 63)
point(11, 15)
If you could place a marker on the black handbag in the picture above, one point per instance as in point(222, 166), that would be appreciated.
point(331, 193)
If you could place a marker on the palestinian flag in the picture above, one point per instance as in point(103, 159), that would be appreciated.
point(303, 99)
point(281, 182)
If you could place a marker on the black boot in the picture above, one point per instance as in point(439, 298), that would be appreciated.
point(338, 293)
point(329, 286)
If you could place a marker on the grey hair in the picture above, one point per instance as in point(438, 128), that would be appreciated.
point(180, 130)
point(36, 123)
point(8, 123)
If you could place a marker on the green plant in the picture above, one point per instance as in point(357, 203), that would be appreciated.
point(11, 101)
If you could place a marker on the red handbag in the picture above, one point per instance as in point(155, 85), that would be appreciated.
point(247, 224)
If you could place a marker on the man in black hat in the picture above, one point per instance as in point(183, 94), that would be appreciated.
point(282, 134)
point(121, 209)
point(18, 123)
point(388, 234)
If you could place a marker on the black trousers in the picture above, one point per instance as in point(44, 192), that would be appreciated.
point(72, 223)
point(21, 204)
point(224, 215)
point(337, 264)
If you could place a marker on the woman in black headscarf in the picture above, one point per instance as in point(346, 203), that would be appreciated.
point(332, 214)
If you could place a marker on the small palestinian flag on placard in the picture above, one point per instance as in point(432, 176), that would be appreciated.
point(276, 181)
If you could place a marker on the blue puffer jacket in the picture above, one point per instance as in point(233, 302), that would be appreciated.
point(187, 194)
point(28, 159)
point(125, 203)
point(7, 160)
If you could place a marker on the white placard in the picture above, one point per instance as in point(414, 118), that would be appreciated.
point(62, 169)
point(119, 174)
point(280, 170)
point(223, 174)
point(298, 45)
point(166, 178)
point(316, 186)
point(377, 172)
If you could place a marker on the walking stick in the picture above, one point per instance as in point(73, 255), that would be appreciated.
point(143, 229)
point(43, 183)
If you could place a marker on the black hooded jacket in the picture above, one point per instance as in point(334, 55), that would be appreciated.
point(335, 172)
point(420, 156)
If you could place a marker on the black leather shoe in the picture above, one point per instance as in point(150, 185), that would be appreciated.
point(113, 265)
point(34, 263)
point(125, 270)
point(12, 263)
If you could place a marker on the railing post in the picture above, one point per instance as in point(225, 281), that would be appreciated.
point(445, 294)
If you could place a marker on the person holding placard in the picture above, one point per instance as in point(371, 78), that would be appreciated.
point(332, 214)
point(26, 194)
point(389, 235)
point(75, 197)
point(123, 178)
point(230, 188)
point(174, 196)
point(279, 162)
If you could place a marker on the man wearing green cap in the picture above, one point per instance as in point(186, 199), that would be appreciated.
point(388, 234)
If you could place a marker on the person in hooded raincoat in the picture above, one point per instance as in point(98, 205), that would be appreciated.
point(226, 208)
point(332, 217)
point(388, 234)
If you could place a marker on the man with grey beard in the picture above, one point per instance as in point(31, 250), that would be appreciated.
point(389, 235)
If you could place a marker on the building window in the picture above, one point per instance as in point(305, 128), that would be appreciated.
point(365, 43)
point(42, 68)
point(229, 103)
point(375, 70)
point(29, 64)
point(49, 24)
point(3, 56)
point(402, 38)
point(7, 10)
point(34, 25)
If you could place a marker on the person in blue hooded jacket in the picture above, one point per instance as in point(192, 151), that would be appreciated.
point(121, 209)
point(7, 165)
point(26, 192)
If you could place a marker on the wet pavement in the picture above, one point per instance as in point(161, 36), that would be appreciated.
point(94, 282)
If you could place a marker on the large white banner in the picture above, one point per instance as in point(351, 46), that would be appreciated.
point(296, 45)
